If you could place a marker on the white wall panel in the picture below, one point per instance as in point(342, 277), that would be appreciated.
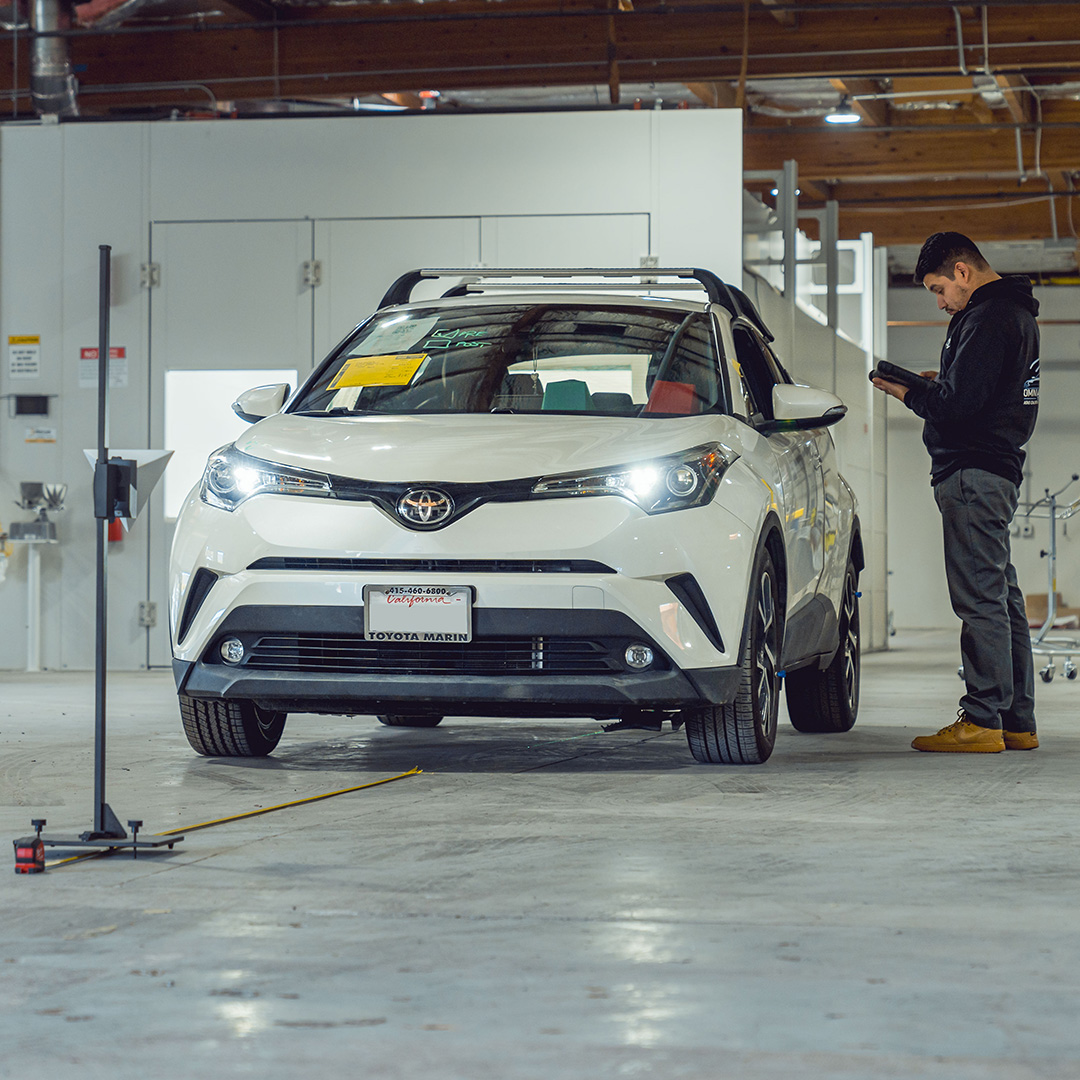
point(565, 240)
point(919, 592)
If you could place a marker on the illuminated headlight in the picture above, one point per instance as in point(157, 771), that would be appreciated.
point(670, 483)
point(231, 477)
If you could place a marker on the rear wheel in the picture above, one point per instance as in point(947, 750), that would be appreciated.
point(410, 721)
point(828, 701)
point(223, 728)
point(743, 732)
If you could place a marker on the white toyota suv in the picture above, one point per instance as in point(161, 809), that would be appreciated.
point(577, 493)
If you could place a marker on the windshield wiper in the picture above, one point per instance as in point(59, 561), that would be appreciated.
point(340, 410)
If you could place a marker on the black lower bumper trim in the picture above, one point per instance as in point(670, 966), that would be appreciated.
point(462, 695)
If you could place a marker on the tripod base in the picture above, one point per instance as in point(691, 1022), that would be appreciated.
point(111, 829)
point(109, 844)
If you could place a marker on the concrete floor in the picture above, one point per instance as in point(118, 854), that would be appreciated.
point(547, 902)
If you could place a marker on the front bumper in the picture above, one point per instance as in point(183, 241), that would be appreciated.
point(520, 663)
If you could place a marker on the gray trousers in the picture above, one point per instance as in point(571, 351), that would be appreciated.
point(977, 508)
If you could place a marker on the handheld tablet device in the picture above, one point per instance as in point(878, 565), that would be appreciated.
point(894, 373)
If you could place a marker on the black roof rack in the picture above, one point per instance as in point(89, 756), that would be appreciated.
point(719, 292)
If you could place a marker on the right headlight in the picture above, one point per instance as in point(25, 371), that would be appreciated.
point(231, 478)
point(676, 482)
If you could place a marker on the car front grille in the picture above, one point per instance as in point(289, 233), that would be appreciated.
point(520, 656)
point(431, 566)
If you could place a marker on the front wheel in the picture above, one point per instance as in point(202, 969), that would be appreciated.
point(743, 732)
point(224, 728)
point(393, 720)
point(828, 701)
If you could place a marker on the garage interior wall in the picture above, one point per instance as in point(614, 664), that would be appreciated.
point(1053, 455)
point(817, 356)
point(534, 188)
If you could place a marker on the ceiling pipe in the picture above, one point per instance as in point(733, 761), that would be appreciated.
point(960, 40)
point(52, 84)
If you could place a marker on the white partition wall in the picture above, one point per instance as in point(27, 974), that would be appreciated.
point(920, 596)
point(270, 239)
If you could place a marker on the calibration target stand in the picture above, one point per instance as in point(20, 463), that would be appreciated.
point(122, 486)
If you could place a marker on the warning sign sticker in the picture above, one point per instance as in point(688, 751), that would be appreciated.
point(24, 356)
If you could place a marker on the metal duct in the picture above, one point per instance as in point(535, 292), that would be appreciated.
point(52, 85)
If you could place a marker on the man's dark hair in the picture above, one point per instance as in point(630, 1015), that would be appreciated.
point(942, 251)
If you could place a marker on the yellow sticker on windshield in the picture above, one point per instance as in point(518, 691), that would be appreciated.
point(395, 369)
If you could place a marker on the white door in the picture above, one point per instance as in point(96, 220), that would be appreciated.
point(232, 311)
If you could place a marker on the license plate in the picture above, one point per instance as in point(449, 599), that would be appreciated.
point(418, 613)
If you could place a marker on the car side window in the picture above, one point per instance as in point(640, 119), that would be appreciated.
point(759, 376)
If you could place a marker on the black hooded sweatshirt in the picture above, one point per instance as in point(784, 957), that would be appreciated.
point(981, 408)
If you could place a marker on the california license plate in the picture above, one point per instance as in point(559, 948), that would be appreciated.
point(418, 612)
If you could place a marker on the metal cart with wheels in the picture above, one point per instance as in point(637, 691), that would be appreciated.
point(1045, 642)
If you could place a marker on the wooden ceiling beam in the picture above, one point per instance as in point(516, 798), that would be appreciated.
point(716, 95)
point(456, 44)
point(1019, 98)
point(874, 111)
point(1030, 221)
point(828, 155)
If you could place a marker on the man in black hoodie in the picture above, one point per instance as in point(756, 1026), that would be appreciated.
point(979, 410)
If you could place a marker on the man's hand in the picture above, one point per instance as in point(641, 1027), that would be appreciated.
point(928, 374)
point(893, 389)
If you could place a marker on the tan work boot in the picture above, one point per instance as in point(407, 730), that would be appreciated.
point(962, 737)
point(1020, 740)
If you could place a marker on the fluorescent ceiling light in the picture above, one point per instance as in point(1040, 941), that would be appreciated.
point(843, 114)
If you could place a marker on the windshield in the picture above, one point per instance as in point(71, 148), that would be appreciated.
point(621, 361)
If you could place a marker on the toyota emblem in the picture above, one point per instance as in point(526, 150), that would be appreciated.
point(425, 508)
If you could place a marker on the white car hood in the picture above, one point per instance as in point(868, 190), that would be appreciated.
point(472, 447)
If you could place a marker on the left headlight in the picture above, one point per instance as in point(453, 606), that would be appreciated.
point(677, 482)
point(231, 477)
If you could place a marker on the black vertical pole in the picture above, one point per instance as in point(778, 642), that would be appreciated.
point(101, 811)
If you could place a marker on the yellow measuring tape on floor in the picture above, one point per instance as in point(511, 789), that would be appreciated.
point(285, 805)
point(247, 814)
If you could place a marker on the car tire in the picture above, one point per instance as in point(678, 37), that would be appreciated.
point(827, 701)
point(394, 720)
point(220, 728)
point(743, 732)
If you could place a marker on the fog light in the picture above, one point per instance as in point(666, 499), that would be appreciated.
point(232, 650)
point(638, 656)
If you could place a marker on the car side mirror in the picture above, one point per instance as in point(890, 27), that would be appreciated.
point(799, 408)
point(260, 402)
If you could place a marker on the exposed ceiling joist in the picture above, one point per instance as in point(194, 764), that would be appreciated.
point(465, 43)
point(716, 95)
point(952, 128)
point(873, 110)
point(1018, 95)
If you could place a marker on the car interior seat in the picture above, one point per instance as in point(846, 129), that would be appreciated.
point(567, 395)
point(614, 403)
point(679, 398)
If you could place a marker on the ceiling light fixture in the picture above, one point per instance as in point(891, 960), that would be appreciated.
point(843, 113)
